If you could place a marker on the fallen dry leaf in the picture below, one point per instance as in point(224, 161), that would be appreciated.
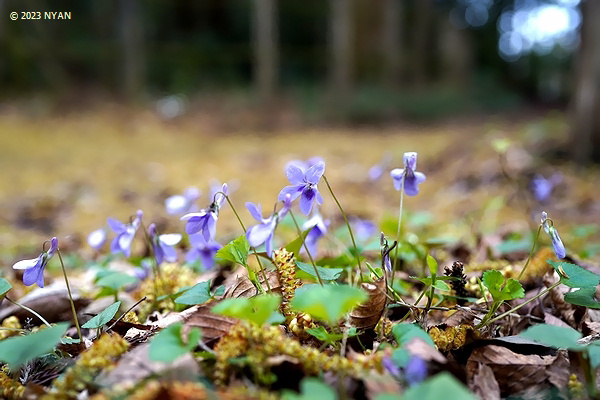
point(244, 288)
point(366, 315)
point(482, 382)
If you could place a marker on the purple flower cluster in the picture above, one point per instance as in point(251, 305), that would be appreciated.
point(125, 233)
point(203, 250)
point(162, 245)
point(205, 221)
point(265, 230)
point(408, 179)
point(304, 185)
point(183, 204)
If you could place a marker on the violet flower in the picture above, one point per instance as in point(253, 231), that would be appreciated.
point(142, 272)
point(162, 245)
point(377, 170)
point(304, 185)
point(408, 177)
point(542, 187)
point(125, 233)
point(96, 239)
point(548, 226)
point(318, 229)
point(304, 165)
point(385, 253)
point(415, 371)
point(203, 250)
point(264, 232)
point(390, 366)
point(363, 228)
point(183, 204)
point(205, 220)
point(34, 268)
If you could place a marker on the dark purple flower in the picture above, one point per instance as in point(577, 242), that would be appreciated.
point(125, 234)
point(318, 229)
point(183, 204)
point(304, 185)
point(408, 178)
point(162, 245)
point(264, 232)
point(363, 228)
point(96, 239)
point(203, 250)
point(542, 187)
point(548, 225)
point(205, 220)
point(377, 170)
point(415, 371)
point(34, 268)
point(385, 253)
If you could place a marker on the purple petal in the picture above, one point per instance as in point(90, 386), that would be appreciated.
point(269, 244)
point(420, 177)
point(169, 252)
point(28, 264)
point(294, 191)
point(211, 227)
point(410, 160)
point(114, 246)
point(116, 226)
point(208, 259)
point(192, 255)
point(255, 210)
point(196, 224)
point(559, 248)
point(53, 247)
point(307, 199)
point(96, 239)
point(158, 253)
point(259, 233)
point(411, 187)
point(125, 240)
point(314, 173)
point(319, 197)
point(397, 175)
point(34, 275)
point(294, 174)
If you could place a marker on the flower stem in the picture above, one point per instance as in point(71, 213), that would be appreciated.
point(62, 264)
point(261, 266)
point(398, 232)
point(347, 224)
point(155, 266)
point(519, 306)
point(28, 309)
point(306, 248)
point(530, 253)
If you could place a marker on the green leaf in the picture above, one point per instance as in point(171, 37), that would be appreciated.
point(16, 351)
point(295, 245)
point(104, 317)
point(494, 280)
point(167, 345)
point(115, 280)
point(5, 286)
point(404, 333)
point(585, 297)
point(321, 333)
point(311, 388)
point(559, 337)
point(328, 303)
point(574, 276)
point(257, 309)
point(433, 265)
point(441, 386)
point(438, 283)
point(327, 274)
point(198, 294)
point(235, 251)
point(594, 355)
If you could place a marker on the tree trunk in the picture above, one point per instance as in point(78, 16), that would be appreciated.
point(341, 48)
point(391, 42)
point(420, 40)
point(456, 53)
point(132, 54)
point(585, 134)
point(265, 48)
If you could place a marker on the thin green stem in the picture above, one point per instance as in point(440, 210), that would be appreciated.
point(260, 265)
point(29, 310)
point(519, 306)
point(62, 264)
point(530, 253)
point(347, 224)
point(306, 248)
point(398, 231)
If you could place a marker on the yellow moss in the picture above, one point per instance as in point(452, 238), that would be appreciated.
point(452, 337)
point(285, 265)
point(538, 266)
point(486, 265)
point(9, 388)
point(131, 317)
point(11, 322)
point(575, 387)
point(259, 343)
point(99, 357)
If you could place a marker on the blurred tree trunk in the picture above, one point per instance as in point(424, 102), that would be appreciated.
point(456, 51)
point(391, 42)
point(585, 134)
point(420, 40)
point(265, 48)
point(340, 43)
point(132, 53)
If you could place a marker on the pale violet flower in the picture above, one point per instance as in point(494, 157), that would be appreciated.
point(162, 245)
point(304, 185)
point(183, 204)
point(304, 165)
point(408, 178)
point(363, 228)
point(557, 244)
point(318, 229)
point(205, 221)
point(125, 233)
point(377, 170)
point(203, 250)
point(96, 239)
point(265, 230)
point(34, 268)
